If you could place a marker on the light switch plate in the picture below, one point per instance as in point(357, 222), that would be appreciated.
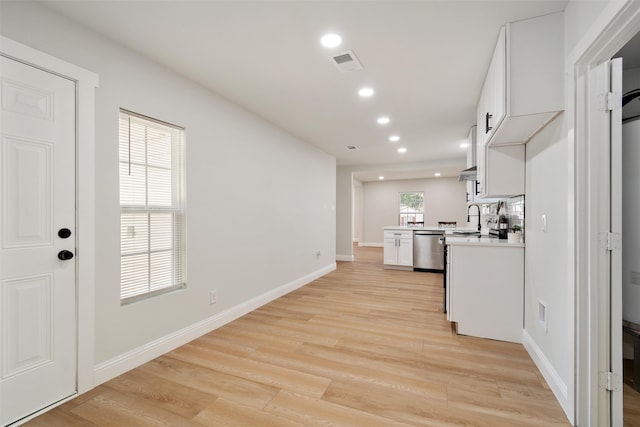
point(543, 221)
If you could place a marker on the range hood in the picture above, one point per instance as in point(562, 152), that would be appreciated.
point(469, 174)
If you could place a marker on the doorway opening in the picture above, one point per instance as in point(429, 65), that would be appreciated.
point(630, 210)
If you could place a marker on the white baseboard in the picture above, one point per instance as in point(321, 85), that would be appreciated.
point(371, 244)
point(345, 257)
point(120, 364)
point(558, 387)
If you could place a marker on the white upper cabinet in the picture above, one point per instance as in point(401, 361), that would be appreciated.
point(495, 94)
point(523, 89)
point(522, 92)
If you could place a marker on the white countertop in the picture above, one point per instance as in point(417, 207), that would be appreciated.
point(481, 241)
point(428, 228)
point(404, 228)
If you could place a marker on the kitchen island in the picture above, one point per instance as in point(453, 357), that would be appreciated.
point(402, 250)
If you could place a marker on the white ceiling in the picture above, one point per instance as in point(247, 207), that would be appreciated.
point(426, 61)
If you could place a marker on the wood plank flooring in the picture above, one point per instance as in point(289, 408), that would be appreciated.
point(362, 346)
point(630, 396)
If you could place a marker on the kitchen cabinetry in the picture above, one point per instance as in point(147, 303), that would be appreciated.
point(522, 92)
point(502, 172)
point(398, 249)
point(471, 161)
point(492, 99)
point(524, 86)
point(473, 188)
point(485, 290)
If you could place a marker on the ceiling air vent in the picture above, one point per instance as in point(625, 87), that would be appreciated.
point(346, 61)
point(351, 147)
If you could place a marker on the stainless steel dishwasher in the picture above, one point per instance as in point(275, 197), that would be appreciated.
point(428, 250)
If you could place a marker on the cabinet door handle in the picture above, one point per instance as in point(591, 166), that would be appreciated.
point(476, 184)
point(487, 117)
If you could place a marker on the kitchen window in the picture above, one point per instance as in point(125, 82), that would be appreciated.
point(411, 208)
point(152, 220)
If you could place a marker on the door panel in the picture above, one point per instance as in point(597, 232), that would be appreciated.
point(38, 290)
point(28, 213)
point(26, 334)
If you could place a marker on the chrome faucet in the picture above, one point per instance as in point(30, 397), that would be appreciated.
point(468, 215)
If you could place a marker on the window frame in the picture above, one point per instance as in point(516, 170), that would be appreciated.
point(407, 213)
point(176, 209)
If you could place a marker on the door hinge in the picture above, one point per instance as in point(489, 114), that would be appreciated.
point(610, 241)
point(610, 381)
point(610, 101)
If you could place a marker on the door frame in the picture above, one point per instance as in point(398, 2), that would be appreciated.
point(85, 84)
point(615, 26)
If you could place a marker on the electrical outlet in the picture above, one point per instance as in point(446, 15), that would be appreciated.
point(213, 297)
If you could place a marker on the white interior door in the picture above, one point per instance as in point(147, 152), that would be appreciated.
point(37, 270)
point(616, 230)
point(604, 304)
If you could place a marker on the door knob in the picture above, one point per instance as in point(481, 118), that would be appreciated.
point(64, 233)
point(65, 255)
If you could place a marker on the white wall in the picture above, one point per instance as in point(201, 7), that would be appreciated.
point(260, 203)
point(579, 17)
point(444, 200)
point(550, 256)
point(547, 261)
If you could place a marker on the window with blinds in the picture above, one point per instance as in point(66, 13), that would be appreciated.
point(152, 220)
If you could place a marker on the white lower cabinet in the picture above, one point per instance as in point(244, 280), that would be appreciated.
point(398, 249)
point(485, 291)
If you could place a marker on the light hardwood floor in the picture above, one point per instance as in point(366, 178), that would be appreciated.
point(631, 397)
point(362, 346)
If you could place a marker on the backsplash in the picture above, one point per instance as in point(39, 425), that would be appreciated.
point(513, 208)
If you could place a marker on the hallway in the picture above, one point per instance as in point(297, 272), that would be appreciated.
point(359, 346)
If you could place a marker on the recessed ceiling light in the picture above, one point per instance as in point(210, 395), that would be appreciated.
point(383, 120)
point(464, 145)
point(437, 174)
point(402, 150)
point(381, 177)
point(365, 92)
point(331, 40)
point(394, 138)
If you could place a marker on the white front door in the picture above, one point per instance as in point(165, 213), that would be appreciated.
point(38, 338)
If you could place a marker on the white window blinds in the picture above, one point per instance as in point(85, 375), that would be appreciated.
point(152, 221)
